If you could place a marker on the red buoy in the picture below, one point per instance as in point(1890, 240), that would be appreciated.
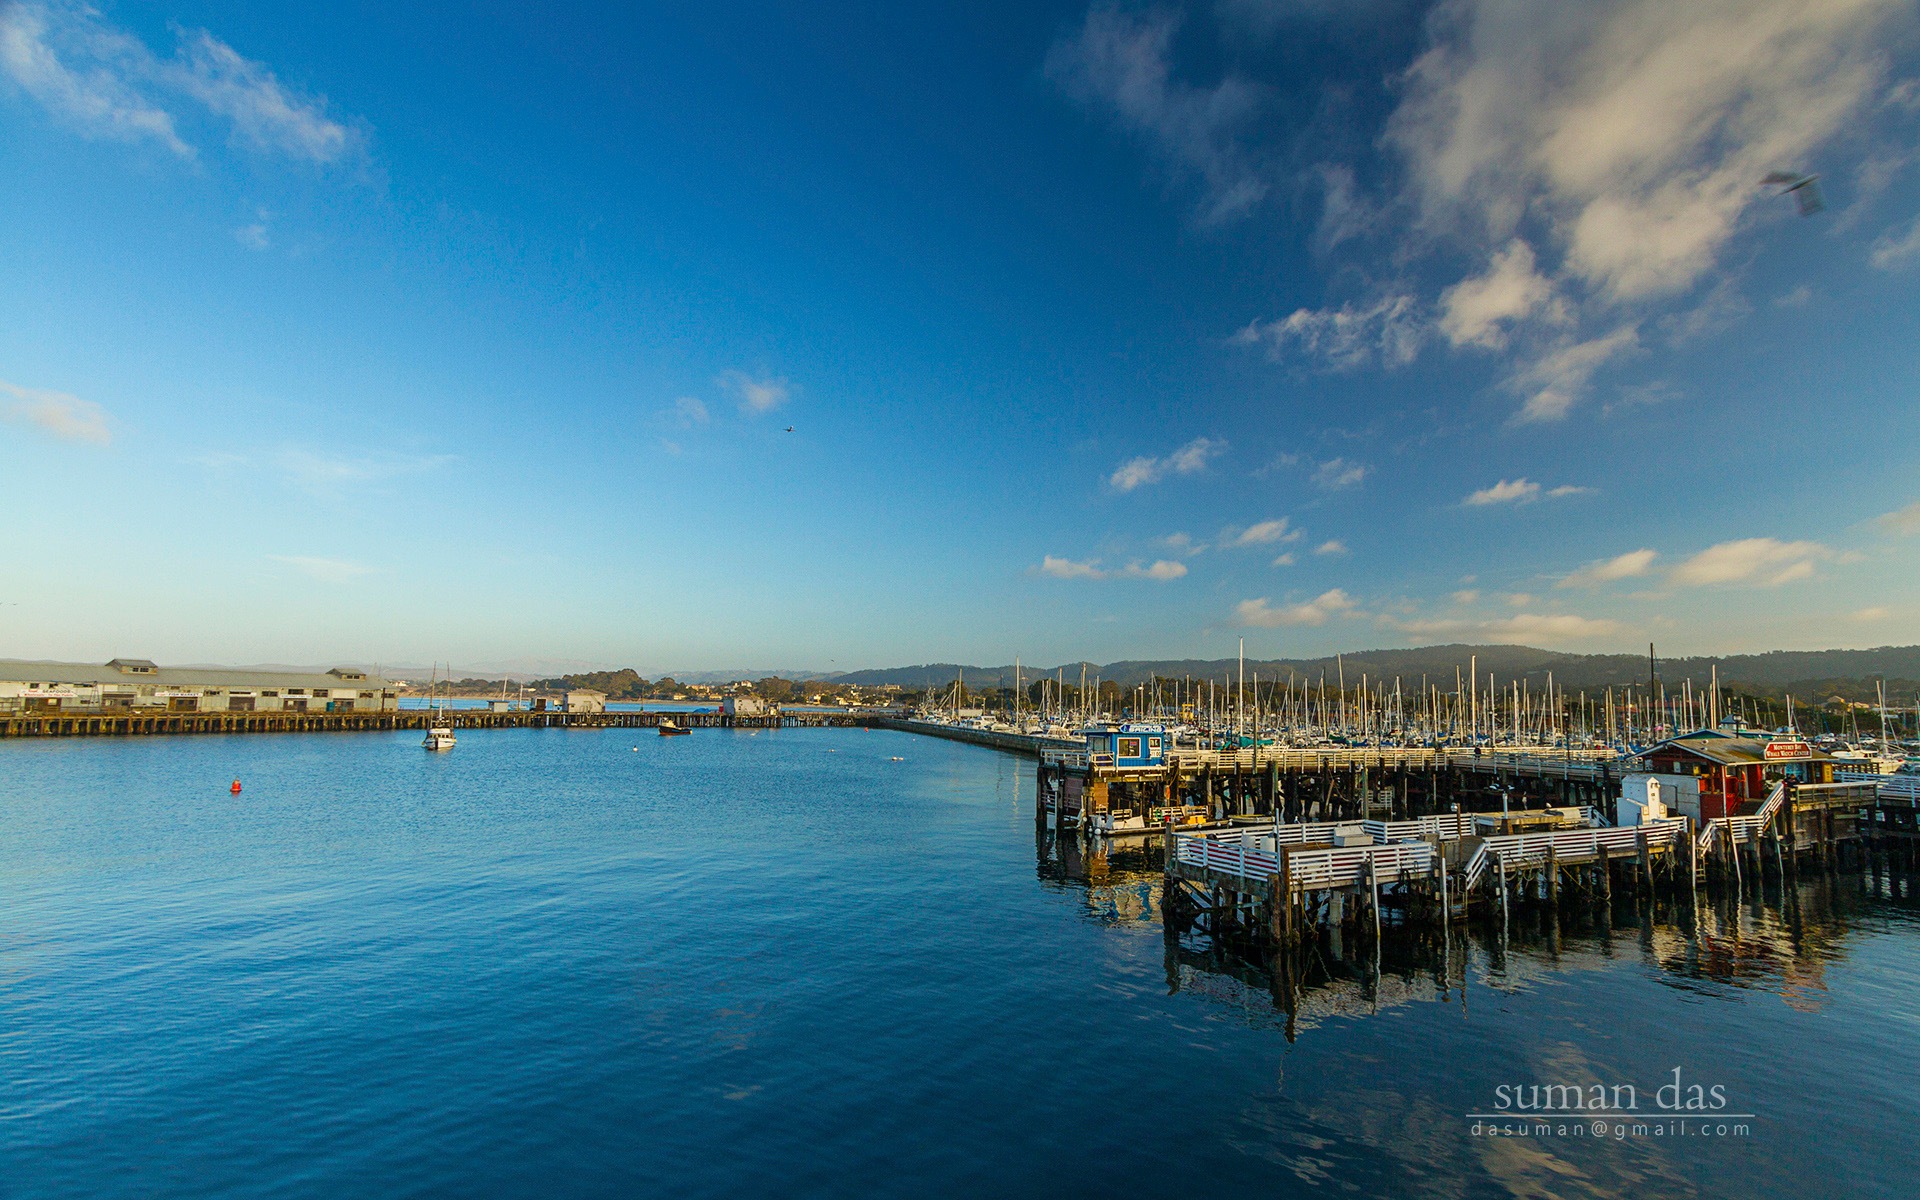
point(235, 789)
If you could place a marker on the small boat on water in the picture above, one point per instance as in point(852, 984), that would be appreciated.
point(440, 736)
point(669, 729)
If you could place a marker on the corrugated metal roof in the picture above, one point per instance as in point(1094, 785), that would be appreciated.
point(1730, 751)
point(15, 670)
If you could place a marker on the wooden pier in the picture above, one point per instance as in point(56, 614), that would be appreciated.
point(1322, 784)
point(1289, 886)
point(136, 722)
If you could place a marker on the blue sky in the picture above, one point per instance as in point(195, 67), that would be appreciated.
point(419, 332)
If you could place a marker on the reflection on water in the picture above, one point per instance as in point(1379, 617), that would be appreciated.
point(1768, 938)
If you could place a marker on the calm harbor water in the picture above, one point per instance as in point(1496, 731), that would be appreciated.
point(779, 962)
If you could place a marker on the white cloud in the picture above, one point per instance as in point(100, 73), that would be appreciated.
point(1877, 612)
point(1518, 599)
point(1317, 611)
point(1160, 571)
point(1182, 543)
point(1904, 521)
point(1594, 162)
point(1121, 63)
point(68, 418)
point(1631, 565)
point(107, 83)
point(1390, 331)
point(1331, 546)
point(1188, 459)
point(1555, 380)
point(1554, 627)
point(756, 395)
point(1066, 568)
point(1507, 491)
point(326, 473)
point(1284, 560)
point(97, 98)
point(1265, 533)
point(1896, 247)
point(1465, 596)
point(1535, 628)
point(1337, 473)
point(1764, 560)
point(1473, 310)
point(1636, 130)
point(264, 114)
point(1794, 297)
point(1569, 489)
point(689, 411)
point(253, 236)
point(325, 570)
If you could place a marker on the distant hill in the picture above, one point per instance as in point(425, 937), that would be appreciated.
point(1804, 672)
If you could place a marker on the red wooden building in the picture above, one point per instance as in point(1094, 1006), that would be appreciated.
point(1735, 773)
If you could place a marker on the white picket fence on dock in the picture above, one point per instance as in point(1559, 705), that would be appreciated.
point(1243, 856)
point(1518, 850)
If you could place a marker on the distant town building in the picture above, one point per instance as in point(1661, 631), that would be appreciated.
point(744, 706)
point(585, 700)
point(139, 684)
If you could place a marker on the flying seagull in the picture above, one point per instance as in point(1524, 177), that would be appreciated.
point(1805, 190)
point(789, 429)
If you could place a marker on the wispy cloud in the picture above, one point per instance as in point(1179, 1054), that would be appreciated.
point(1507, 491)
point(1187, 460)
point(1332, 546)
point(1536, 628)
point(1338, 473)
point(1520, 491)
point(66, 417)
point(1327, 605)
point(1388, 330)
point(325, 570)
point(265, 114)
point(1556, 379)
point(689, 411)
point(757, 395)
point(1638, 128)
point(1762, 561)
point(1592, 163)
point(1903, 521)
point(1284, 560)
point(1121, 63)
point(107, 83)
point(1897, 247)
point(1161, 571)
point(1631, 565)
point(1264, 533)
point(254, 235)
point(314, 471)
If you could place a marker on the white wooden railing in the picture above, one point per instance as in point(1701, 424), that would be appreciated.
point(1312, 869)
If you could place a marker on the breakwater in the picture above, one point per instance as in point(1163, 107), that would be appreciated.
point(135, 722)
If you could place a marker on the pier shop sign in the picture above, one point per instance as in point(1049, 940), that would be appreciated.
point(1678, 1107)
point(1788, 751)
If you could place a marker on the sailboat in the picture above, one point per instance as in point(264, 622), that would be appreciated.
point(440, 736)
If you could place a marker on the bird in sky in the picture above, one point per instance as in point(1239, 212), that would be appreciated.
point(1805, 189)
point(789, 429)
